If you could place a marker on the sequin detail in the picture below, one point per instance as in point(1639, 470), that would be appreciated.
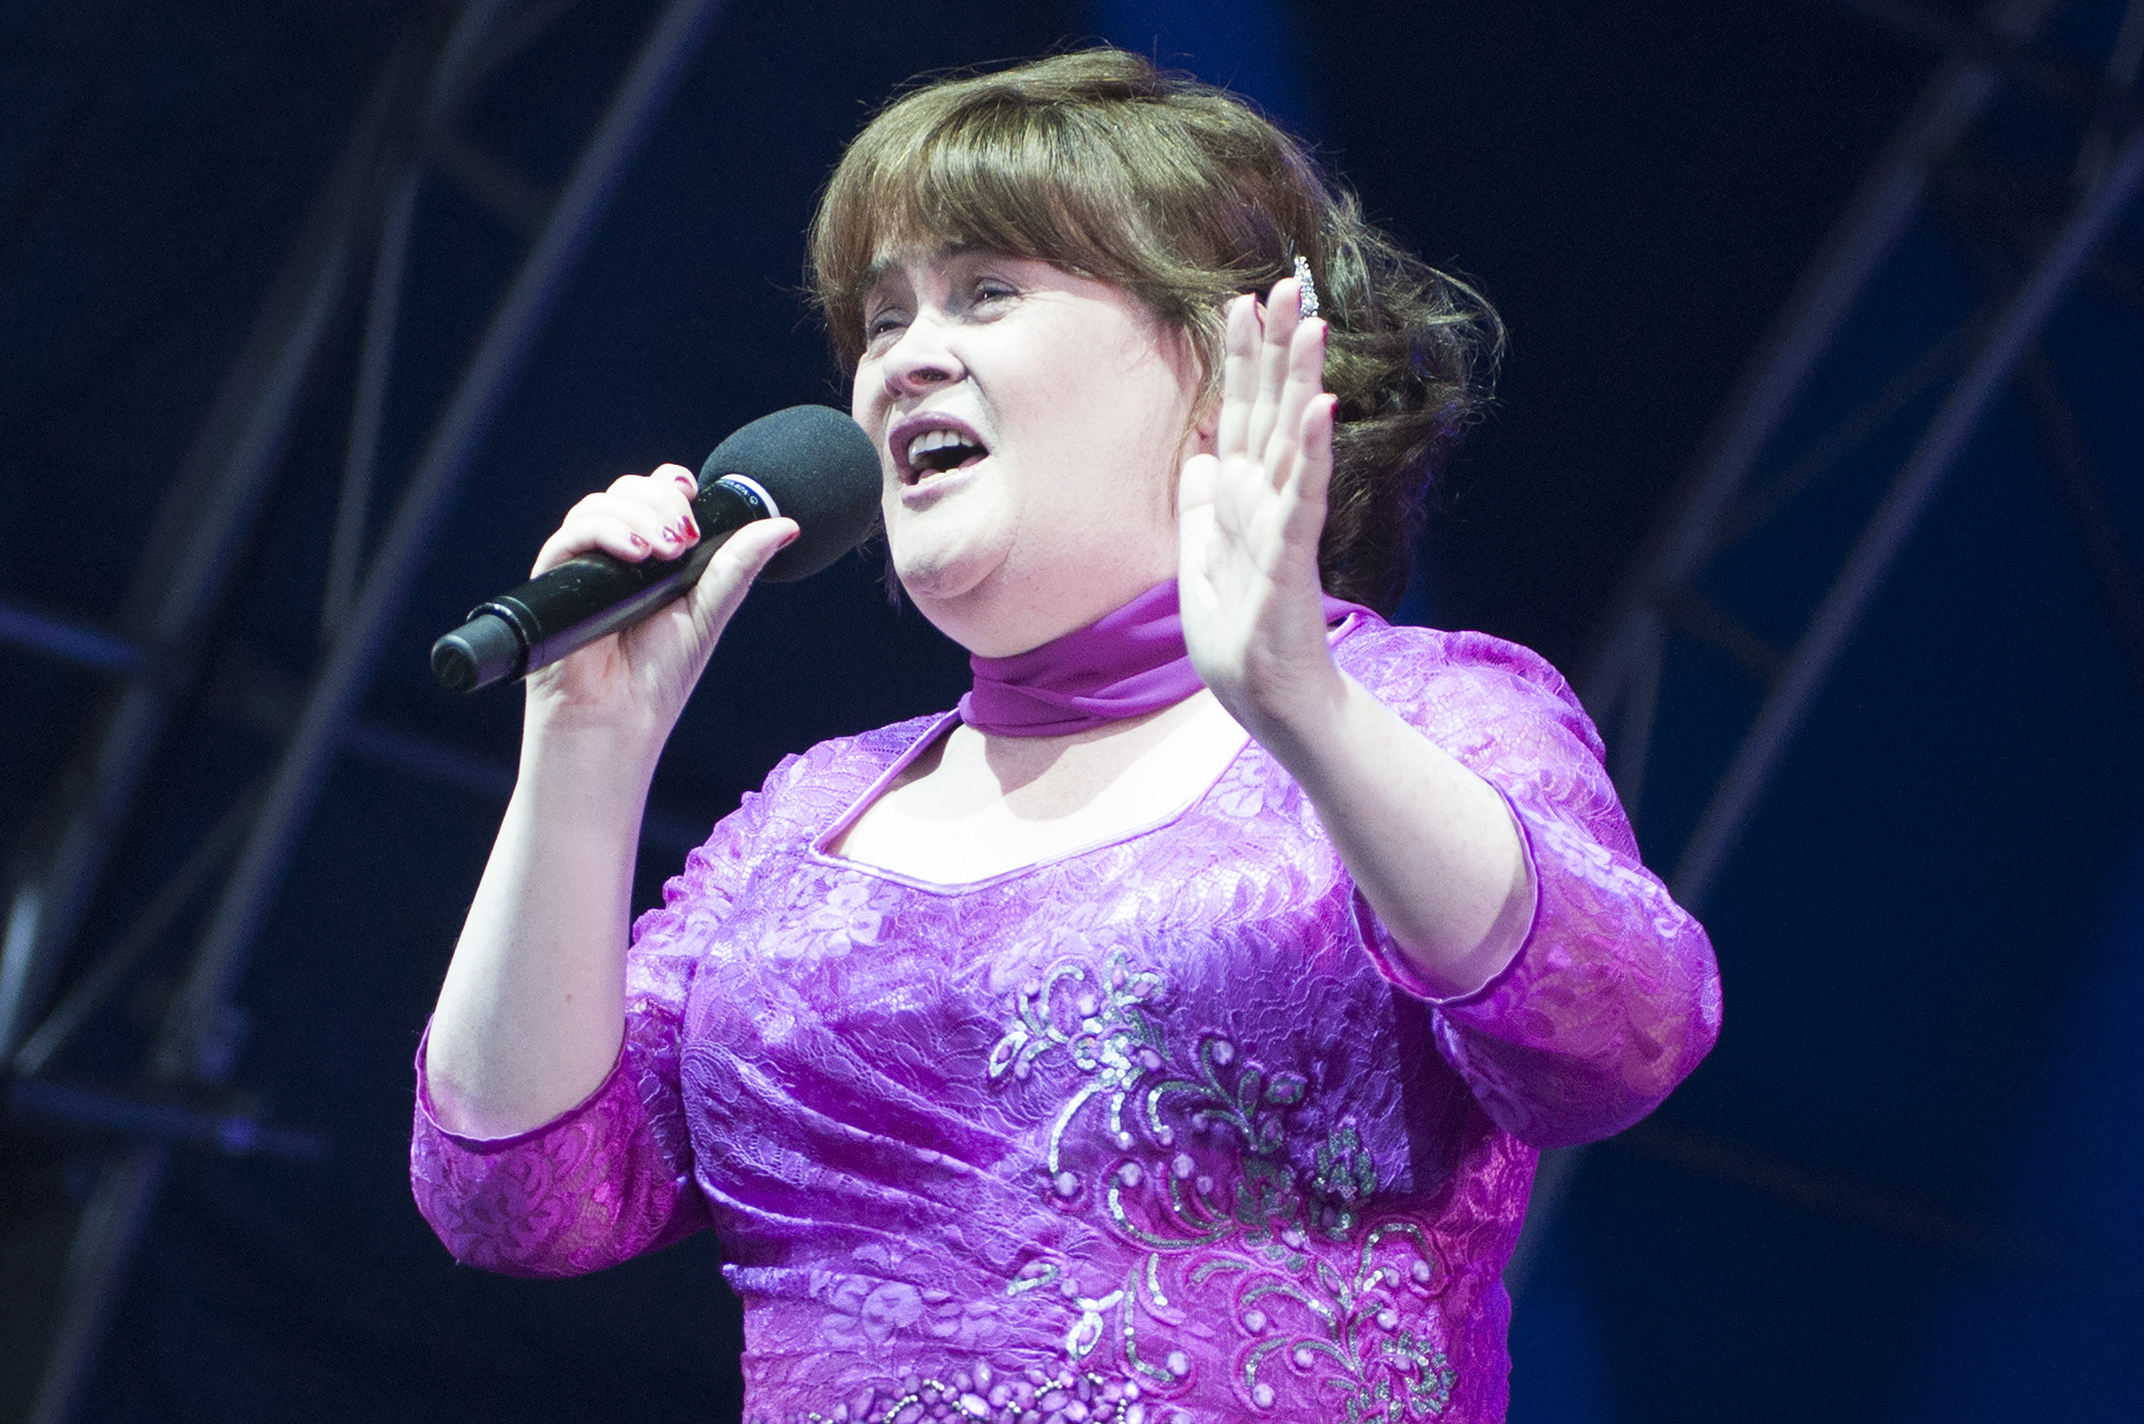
point(1266, 1236)
point(1000, 1396)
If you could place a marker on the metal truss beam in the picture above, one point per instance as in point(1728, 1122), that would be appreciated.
point(206, 516)
point(235, 1133)
point(2018, 60)
point(190, 1046)
point(1622, 687)
point(2092, 519)
point(408, 131)
point(111, 1224)
point(188, 560)
point(1878, 213)
point(2018, 326)
point(419, 757)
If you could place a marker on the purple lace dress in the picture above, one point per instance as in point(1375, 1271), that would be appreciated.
point(1158, 1132)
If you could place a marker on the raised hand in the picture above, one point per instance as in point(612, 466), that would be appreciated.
point(1432, 848)
point(1249, 515)
point(641, 677)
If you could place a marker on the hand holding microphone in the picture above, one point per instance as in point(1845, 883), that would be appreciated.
point(645, 543)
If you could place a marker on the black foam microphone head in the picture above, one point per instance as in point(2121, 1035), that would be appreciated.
point(822, 471)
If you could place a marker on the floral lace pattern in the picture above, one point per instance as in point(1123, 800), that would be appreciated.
point(1160, 1132)
point(1247, 1247)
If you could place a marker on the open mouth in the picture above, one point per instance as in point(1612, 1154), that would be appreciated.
point(933, 452)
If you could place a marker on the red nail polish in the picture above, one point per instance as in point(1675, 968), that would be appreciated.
point(692, 486)
point(637, 542)
point(691, 528)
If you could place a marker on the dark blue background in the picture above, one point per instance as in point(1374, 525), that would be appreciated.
point(1904, 1186)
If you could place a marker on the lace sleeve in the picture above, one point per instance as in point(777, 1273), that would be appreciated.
point(612, 1177)
point(1614, 995)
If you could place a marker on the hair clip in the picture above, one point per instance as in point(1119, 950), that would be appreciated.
point(1306, 290)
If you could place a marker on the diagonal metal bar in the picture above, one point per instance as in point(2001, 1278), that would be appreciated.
point(488, 179)
point(1919, 376)
point(369, 408)
point(207, 514)
point(63, 638)
point(426, 760)
point(1864, 234)
point(2092, 517)
point(446, 766)
point(1553, 1177)
point(1690, 612)
point(467, 418)
point(1630, 752)
point(514, 33)
point(1621, 684)
point(2026, 65)
point(164, 908)
point(111, 1223)
point(1720, 827)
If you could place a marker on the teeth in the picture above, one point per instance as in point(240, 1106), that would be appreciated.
point(931, 440)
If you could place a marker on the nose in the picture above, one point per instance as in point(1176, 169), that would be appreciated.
point(921, 359)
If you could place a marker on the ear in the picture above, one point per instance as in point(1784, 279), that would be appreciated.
point(1202, 435)
point(1206, 431)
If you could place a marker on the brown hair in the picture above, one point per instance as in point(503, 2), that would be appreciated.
point(1185, 196)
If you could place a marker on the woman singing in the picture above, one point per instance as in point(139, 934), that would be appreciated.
point(1168, 1033)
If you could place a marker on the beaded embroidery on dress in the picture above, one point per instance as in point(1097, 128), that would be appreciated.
point(1161, 1130)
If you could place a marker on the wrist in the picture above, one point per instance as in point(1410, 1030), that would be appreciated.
point(1298, 716)
point(601, 764)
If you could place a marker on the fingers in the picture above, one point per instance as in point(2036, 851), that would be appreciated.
point(730, 572)
point(1311, 478)
point(638, 517)
point(1239, 377)
point(1282, 318)
point(1273, 368)
point(1301, 384)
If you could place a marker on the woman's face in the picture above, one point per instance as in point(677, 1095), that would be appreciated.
point(1030, 424)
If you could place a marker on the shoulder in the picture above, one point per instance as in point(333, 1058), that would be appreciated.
point(863, 754)
point(800, 799)
point(1445, 681)
point(806, 788)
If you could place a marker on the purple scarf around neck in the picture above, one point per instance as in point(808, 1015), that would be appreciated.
point(1124, 664)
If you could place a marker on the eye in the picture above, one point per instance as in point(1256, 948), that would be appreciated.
point(881, 324)
point(989, 290)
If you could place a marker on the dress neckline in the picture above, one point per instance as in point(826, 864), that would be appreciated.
point(939, 726)
point(818, 851)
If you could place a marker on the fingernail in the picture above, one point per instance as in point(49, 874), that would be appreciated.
point(692, 486)
point(673, 534)
point(691, 528)
point(637, 542)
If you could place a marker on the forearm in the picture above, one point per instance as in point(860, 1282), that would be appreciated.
point(1432, 846)
point(530, 1016)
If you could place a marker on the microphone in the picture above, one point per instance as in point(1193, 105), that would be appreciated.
point(809, 462)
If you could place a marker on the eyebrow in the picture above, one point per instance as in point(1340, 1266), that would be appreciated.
point(884, 266)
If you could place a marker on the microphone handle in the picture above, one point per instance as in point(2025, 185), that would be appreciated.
point(588, 597)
